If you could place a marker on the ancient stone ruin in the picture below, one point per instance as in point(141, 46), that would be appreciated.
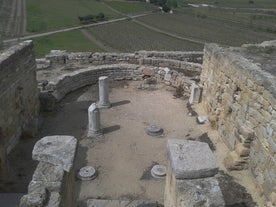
point(234, 88)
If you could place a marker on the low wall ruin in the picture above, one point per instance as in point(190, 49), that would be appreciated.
point(240, 96)
point(53, 180)
point(81, 69)
point(57, 57)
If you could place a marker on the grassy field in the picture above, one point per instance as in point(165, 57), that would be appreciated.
point(52, 14)
point(130, 7)
point(128, 36)
point(70, 41)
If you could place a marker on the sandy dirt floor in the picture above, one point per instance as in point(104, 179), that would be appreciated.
point(125, 154)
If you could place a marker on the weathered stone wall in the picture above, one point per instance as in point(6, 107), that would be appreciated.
point(56, 88)
point(154, 58)
point(54, 179)
point(18, 93)
point(84, 68)
point(240, 97)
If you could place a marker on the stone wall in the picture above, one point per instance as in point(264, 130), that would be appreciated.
point(56, 88)
point(18, 95)
point(62, 72)
point(73, 59)
point(239, 93)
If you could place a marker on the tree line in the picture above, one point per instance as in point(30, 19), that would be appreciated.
point(92, 18)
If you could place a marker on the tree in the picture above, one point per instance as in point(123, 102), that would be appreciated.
point(171, 3)
point(167, 5)
point(100, 16)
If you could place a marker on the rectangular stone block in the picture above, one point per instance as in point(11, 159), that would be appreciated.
point(57, 150)
point(191, 159)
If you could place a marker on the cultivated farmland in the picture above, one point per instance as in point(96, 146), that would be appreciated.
point(127, 36)
point(236, 3)
point(130, 7)
point(228, 22)
point(205, 29)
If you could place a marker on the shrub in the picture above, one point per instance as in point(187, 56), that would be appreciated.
point(100, 16)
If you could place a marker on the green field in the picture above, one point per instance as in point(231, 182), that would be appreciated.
point(53, 14)
point(71, 41)
point(130, 7)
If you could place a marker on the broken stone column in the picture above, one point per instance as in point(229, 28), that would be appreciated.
point(94, 125)
point(190, 177)
point(196, 94)
point(103, 92)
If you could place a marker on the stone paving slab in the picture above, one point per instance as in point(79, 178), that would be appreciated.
point(191, 159)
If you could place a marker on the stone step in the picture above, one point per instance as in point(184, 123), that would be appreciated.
point(10, 199)
point(121, 203)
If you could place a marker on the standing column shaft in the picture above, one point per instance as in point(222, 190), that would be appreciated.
point(103, 92)
point(94, 125)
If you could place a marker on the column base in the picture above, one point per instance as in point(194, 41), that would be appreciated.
point(104, 105)
point(95, 133)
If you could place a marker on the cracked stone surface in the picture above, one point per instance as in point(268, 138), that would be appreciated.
point(191, 159)
point(57, 150)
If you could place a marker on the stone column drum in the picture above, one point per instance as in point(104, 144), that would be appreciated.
point(103, 92)
point(94, 125)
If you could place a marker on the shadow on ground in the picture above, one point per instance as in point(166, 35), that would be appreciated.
point(235, 195)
